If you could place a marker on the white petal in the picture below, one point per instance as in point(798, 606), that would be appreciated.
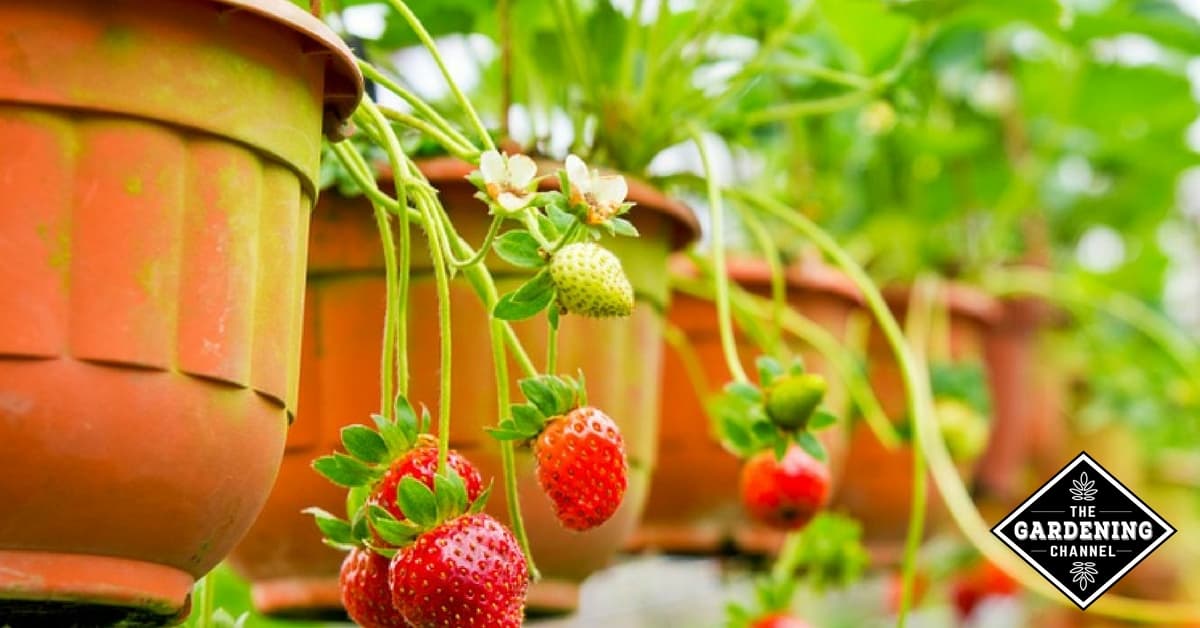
point(577, 172)
point(611, 190)
point(511, 201)
point(521, 170)
point(492, 165)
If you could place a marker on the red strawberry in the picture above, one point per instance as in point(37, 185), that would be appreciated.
point(365, 593)
point(786, 493)
point(581, 467)
point(421, 463)
point(778, 620)
point(467, 572)
point(980, 582)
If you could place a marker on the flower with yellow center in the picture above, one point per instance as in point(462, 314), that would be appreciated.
point(508, 180)
point(602, 194)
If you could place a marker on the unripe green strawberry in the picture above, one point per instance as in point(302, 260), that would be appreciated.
point(791, 399)
point(590, 281)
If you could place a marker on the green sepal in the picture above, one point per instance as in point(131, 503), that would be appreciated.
point(519, 248)
point(797, 366)
point(548, 228)
point(503, 434)
point(389, 528)
point(821, 419)
point(768, 369)
point(745, 390)
point(480, 502)
point(333, 528)
point(406, 420)
point(364, 443)
point(623, 227)
point(417, 502)
point(560, 216)
point(527, 418)
point(344, 470)
point(810, 444)
point(451, 495)
point(550, 394)
point(386, 552)
point(532, 297)
point(781, 448)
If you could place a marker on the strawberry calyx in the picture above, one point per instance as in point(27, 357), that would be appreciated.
point(548, 398)
point(746, 416)
point(370, 453)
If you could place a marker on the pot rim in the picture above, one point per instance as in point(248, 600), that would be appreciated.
point(813, 276)
point(686, 229)
point(343, 85)
point(961, 298)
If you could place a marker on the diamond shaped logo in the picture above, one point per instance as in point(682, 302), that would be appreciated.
point(1083, 530)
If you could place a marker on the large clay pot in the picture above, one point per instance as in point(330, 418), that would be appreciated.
point(159, 164)
point(694, 505)
point(292, 572)
point(877, 484)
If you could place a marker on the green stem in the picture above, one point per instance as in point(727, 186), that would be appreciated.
point(778, 279)
point(387, 357)
point(805, 108)
point(552, 345)
point(678, 341)
point(941, 466)
point(398, 282)
point(530, 221)
point(567, 237)
point(420, 106)
point(207, 602)
point(442, 280)
point(507, 455)
point(464, 152)
point(423, 35)
point(483, 248)
point(720, 274)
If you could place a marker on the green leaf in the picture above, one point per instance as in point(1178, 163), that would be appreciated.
point(623, 227)
point(736, 437)
point(480, 502)
point(527, 418)
point(810, 444)
point(768, 369)
point(417, 502)
point(763, 431)
point(532, 297)
point(821, 419)
point(343, 470)
point(364, 443)
point(519, 248)
point(451, 494)
point(334, 529)
point(745, 391)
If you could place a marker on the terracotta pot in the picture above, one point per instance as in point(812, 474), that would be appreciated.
point(680, 517)
point(292, 572)
point(159, 164)
point(877, 483)
point(1027, 402)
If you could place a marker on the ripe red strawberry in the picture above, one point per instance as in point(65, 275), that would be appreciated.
point(421, 463)
point(467, 572)
point(978, 583)
point(365, 593)
point(581, 467)
point(786, 493)
point(778, 620)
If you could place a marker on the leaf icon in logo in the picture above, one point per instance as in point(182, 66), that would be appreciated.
point(1083, 489)
point(1083, 574)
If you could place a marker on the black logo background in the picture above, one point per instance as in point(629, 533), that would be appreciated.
point(1112, 502)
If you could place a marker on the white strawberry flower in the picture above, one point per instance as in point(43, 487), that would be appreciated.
point(603, 194)
point(508, 179)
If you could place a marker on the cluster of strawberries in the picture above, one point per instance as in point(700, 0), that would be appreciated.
point(421, 551)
